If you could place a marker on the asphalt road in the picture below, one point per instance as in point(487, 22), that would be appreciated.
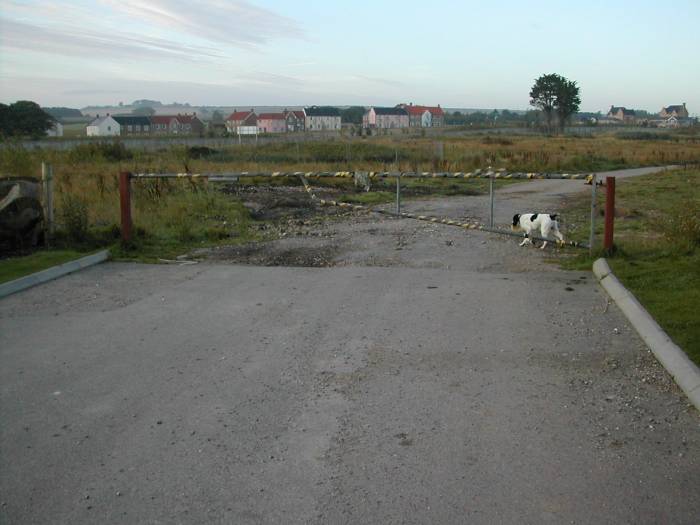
point(429, 375)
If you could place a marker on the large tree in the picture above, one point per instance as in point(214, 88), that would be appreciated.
point(556, 96)
point(24, 118)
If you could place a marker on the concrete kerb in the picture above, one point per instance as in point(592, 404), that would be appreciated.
point(52, 273)
point(682, 369)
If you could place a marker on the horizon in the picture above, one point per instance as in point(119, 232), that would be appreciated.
point(274, 53)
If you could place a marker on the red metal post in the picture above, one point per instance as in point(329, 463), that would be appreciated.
point(609, 213)
point(125, 204)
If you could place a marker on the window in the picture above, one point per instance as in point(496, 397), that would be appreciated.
point(129, 127)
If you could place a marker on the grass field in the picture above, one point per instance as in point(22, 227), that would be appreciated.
point(172, 215)
point(657, 240)
point(16, 267)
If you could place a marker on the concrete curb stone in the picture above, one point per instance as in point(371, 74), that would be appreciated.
point(682, 369)
point(52, 273)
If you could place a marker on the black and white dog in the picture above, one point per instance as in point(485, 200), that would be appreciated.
point(531, 223)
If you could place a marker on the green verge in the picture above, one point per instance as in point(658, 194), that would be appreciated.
point(16, 267)
point(657, 247)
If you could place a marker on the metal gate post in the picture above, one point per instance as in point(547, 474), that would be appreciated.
point(491, 197)
point(125, 204)
point(594, 205)
point(398, 194)
point(609, 213)
point(47, 183)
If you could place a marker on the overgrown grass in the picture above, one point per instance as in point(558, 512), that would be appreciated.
point(16, 267)
point(657, 240)
point(369, 198)
point(171, 214)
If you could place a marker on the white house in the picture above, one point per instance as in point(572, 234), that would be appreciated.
point(322, 118)
point(56, 129)
point(103, 127)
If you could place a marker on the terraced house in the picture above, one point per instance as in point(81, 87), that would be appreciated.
point(272, 123)
point(133, 125)
point(424, 116)
point(238, 119)
point(385, 118)
point(321, 118)
point(295, 120)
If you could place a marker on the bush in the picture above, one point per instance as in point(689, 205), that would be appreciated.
point(109, 151)
point(682, 229)
point(74, 217)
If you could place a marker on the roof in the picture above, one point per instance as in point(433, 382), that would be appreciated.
point(390, 111)
point(239, 115)
point(297, 114)
point(271, 116)
point(625, 111)
point(161, 119)
point(99, 120)
point(132, 120)
point(419, 110)
point(416, 110)
point(184, 119)
point(326, 111)
point(676, 107)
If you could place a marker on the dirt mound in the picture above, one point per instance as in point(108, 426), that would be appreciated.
point(283, 252)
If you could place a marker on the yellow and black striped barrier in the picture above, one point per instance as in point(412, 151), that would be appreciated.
point(478, 174)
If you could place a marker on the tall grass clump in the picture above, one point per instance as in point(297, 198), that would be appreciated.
point(682, 227)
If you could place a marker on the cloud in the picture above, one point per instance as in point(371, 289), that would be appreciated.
point(237, 23)
point(84, 43)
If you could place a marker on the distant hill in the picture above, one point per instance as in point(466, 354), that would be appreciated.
point(60, 113)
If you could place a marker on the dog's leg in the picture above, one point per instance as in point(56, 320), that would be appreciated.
point(543, 245)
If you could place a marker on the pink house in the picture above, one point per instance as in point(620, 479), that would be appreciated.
point(272, 123)
point(385, 118)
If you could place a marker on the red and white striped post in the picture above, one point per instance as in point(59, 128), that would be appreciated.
point(609, 213)
point(125, 204)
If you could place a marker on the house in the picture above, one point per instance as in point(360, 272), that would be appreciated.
point(240, 118)
point(418, 119)
point(103, 127)
point(385, 118)
point(677, 122)
point(164, 124)
point(189, 124)
point(56, 129)
point(133, 125)
point(295, 120)
point(321, 118)
point(621, 114)
point(674, 111)
point(272, 123)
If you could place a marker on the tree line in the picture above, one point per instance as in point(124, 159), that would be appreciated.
point(24, 118)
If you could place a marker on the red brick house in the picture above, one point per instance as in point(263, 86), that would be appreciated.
point(622, 114)
point(418, 118)
point(241, 118)
point(677, 111)
point(272, 123)
point(295, 120)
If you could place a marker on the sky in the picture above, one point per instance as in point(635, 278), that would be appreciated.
point(467, 54)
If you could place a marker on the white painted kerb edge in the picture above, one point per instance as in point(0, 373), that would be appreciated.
point(52, 273)
point(684, 371)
